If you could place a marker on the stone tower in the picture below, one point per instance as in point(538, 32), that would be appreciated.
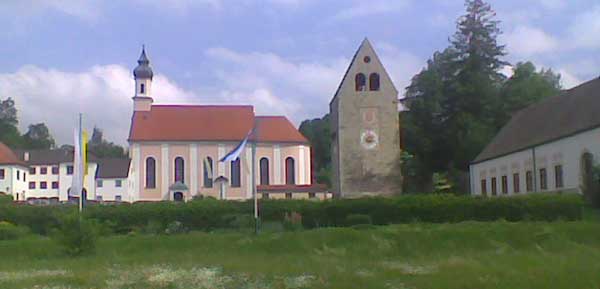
point(365, 129)
point(143, 74)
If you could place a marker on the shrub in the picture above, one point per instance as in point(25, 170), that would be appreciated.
point(292, 221)
point(239, 221)
point(154, 227)
point(174, 228)
point(10, 231)
point(358, 219)
point(76, 235)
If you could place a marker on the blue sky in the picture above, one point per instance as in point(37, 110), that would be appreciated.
point(283, 56)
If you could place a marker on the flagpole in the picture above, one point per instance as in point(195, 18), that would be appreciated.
point(82, 175)
point(256, 220)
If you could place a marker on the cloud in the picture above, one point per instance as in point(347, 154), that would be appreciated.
point(369, 8)
point(525, 40)
point(102, 93)
point(584, 32)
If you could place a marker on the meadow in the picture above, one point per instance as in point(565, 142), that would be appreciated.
point(500, 254)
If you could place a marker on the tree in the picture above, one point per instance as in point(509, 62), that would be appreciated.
point(103, 148)
point(38, 137)
point(318, 133)
point(525, 87)
point(9, 133)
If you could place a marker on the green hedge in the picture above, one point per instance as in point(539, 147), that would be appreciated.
point(210, 214)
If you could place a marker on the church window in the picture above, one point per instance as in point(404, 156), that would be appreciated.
point(264, 171)
point(367, 59)
point(558, 176)
point(516, 183)
point(208, 168)
point(360, 82)
point(2, 172)
point(494, 187)
point(142, 88)
point(235, 173)
point(484, 187)
point(529, 181)
point(374, 82)
point(179, 166)
point(290, 171)
point(150, 173)
point(543, 179)
point(504, 185)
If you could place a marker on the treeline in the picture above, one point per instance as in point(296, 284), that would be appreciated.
point(38, 135)
point(455, 105)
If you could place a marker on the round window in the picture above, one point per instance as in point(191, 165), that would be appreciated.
point(367, 59)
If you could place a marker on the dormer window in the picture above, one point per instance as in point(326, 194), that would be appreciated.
point(142, 88)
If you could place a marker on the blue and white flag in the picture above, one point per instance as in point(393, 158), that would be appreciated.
point(235, 153)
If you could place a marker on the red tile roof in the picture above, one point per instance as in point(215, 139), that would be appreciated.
point(209, 123)
point(277, 129)
point(8, 157)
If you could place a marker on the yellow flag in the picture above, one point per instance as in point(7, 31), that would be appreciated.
point(84, 140)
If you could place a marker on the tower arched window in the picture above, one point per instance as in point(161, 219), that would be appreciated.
point(142, 88)
point(264, 171)
point(374, 82)
point(179, 169)
point(290, 171)
point(236, 173)
point(208, 173)
point(360, 81)
point(150, 173)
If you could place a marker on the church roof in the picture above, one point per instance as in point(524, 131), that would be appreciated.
point(143, 70)
point(209, 123)
point(571, 112)
point(8, 157)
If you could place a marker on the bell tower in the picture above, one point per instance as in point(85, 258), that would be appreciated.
point(142, 100)
point(365, 129)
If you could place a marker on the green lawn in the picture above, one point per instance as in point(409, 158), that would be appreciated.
point(466, 255)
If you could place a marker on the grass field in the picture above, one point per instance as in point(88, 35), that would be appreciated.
point(465, 255)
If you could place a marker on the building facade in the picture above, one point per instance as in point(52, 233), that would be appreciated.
point(175, 149)
point(547, 147)
point(365, 127)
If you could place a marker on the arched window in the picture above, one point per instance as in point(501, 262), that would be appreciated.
point(264, 171)
point(235, 173)
point(208, 173)
point(179, 172)
point(360, 81)
point(142, 88)
point(290, 171)
point(374, 82)
point(150, 173)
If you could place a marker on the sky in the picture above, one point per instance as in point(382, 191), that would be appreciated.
point(285, 57)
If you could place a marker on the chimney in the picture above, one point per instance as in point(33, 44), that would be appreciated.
point(26, 156)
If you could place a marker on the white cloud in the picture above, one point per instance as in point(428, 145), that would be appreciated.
point(525, 40)
point(568, 80)
point(584, 32)
point(369, 8)
point(102, 94)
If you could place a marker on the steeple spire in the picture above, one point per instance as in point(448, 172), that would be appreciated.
point(143, 70)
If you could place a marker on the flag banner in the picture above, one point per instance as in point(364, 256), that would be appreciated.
point(84, 156)
point(77, 182)
point(235, 153)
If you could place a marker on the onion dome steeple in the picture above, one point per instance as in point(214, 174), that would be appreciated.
point(143, 70)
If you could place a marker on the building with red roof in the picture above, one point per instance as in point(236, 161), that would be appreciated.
point(13, 173)
point(175, 149)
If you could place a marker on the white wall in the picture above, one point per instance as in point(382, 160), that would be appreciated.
point(66, 180)
point(566, 152)
point(109, 190)
point(16, 188)
point(48, 178)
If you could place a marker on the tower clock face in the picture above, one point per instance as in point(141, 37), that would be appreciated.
point(369, 139)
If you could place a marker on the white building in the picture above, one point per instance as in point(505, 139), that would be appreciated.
point(13, 174)
point(549, 146)
point(111, 180)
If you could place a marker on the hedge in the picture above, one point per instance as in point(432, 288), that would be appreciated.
point(210, 214)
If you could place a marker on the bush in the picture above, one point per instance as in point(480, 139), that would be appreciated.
point(76, 235)
point(209, 214)
point(174, 228)
point(358, 219)
point(10, 231)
